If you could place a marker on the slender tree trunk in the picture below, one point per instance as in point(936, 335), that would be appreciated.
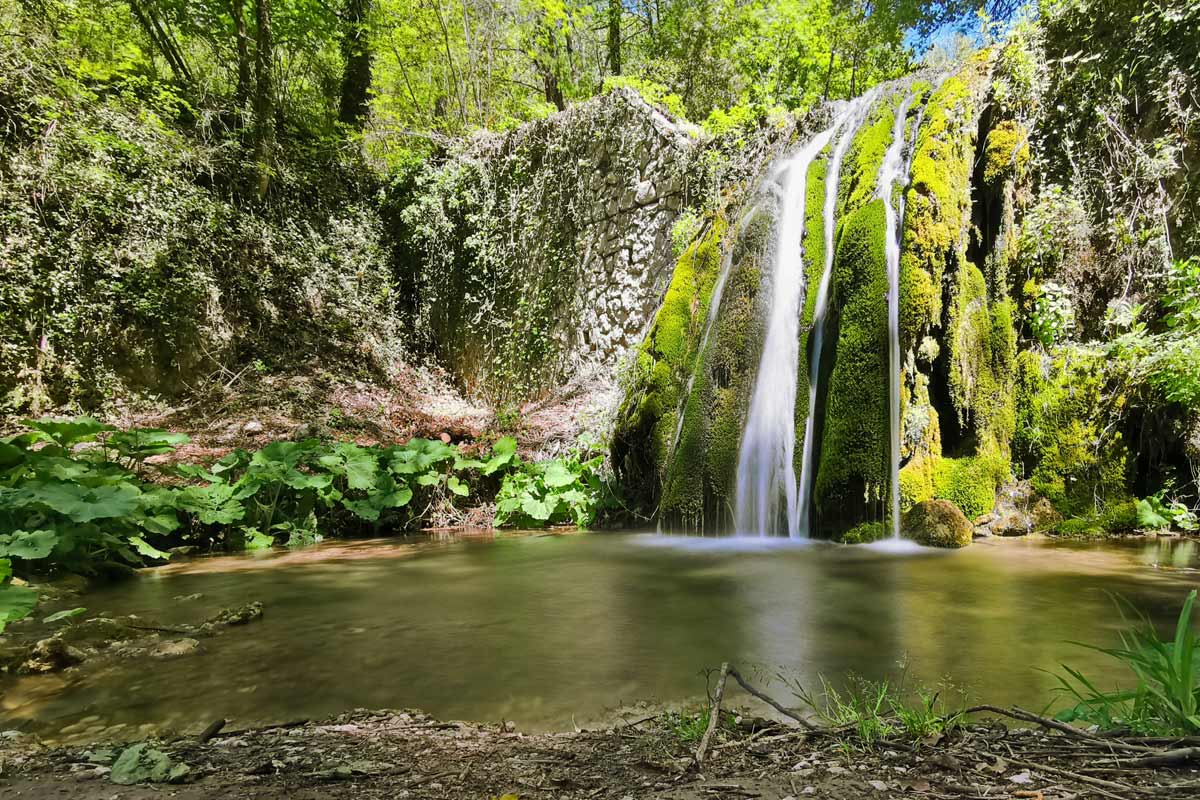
point(238, 10)
point(614, 36)
point(551, 89)
point(147, 17)
point(356, 75)
point(264, 96)
point(829, 72)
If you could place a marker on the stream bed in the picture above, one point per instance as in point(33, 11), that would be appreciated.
point(557, 630)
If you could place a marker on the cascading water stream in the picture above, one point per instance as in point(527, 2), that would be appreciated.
point(854, 120)
point(894, 168)
point(765, 470)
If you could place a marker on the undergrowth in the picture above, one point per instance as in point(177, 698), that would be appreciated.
point(1165, 700)
point(76, 493)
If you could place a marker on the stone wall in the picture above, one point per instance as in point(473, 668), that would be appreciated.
point(549, 246)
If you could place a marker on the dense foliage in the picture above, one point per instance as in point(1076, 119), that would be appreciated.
point(76, 494)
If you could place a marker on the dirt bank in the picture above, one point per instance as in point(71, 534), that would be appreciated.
point(406, 754)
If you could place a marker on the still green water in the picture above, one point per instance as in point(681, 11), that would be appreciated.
point(556, 630)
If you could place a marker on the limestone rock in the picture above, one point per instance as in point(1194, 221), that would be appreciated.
point(937, 523)
point(1044, 515)
point(239, 615)
point(174, 648)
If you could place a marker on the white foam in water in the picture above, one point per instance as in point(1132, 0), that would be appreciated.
point(727, 544)
point(896, 546)
point(765, 472)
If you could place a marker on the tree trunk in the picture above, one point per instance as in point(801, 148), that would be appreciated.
point(160, 38)
point(614, 36)
point(238, 10)
point(264, 96)
point(356, 75)
point(552, 90)
point(829, 72)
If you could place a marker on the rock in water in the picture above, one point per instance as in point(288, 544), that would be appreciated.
point(239, 615)
point(175, 648)
point(51, 655)
point(937, 523)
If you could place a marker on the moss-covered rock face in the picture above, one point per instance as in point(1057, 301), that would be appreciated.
point(1070, 458)
point(937, 523)
point(968, 401)
point(850, 482)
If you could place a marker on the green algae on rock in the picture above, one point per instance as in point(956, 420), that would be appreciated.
point(937, 523)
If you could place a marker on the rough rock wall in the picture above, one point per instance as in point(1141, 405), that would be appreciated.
point(549, 246)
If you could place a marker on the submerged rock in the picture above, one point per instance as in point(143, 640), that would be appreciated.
point(937, 523)
point(51, 655)
point(238, 615)
point(174, 648)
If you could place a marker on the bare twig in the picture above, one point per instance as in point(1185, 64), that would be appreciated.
point(714, 715)
point(737, 676)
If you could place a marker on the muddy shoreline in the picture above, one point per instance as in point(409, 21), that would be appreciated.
point(408, 754)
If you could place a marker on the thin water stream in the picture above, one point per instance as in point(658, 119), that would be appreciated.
point(554, 630)
point(894, 169)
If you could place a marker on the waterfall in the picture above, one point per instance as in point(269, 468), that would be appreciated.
point(855, 117)
point(894, 168)
point(765, 470)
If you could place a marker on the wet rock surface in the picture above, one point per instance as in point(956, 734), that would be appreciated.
point(1019, 511)
point(937, 523)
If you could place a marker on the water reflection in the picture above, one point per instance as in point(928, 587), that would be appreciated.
point(554, 630)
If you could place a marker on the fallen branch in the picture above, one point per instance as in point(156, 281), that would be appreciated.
point(714, 716)
point(1098, 783)
point(1062, 727)
point(1163, 758)
point(737, 676)
point(213, 729)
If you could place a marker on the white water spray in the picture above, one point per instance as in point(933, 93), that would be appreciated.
point(765, 472)
point(894, 168)
point(807, 465)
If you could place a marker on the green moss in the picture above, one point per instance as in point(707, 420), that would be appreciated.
point(648, 416)
point(937, 523)
point(917, 481)
point(1006, 154)
point(855, 441)
point(981, 347)
point(1116, 519)
point(814, 266)
point(938, 203)
point(865, 533)
point(1061, 438)
point(970, 482)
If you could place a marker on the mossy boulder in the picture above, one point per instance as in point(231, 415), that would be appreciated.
point(865, 533)
point(937, 523)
